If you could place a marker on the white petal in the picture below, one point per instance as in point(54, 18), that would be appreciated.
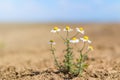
point(59, 30)
point(64, 29)
point(89, 41)
point(52, 43)
point(82, 32)
point(77, 40)
point(78, 29)
point(54, 31)
point(82, 39)
point(74, 41)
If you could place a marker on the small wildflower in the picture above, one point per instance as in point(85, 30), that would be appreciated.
point(85, 39)
point(74, 40)
point(69, 66)
point(81, 30)
point(68, 29)
point(55, 29)
point(52, 42)
point(90, 48)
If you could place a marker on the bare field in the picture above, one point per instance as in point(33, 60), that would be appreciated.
point(25, 55)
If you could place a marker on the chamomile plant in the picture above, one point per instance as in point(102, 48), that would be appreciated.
point(71, 66)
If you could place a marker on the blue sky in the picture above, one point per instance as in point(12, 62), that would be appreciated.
point(59, 10)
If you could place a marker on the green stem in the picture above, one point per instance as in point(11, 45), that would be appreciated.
point(68, 60)
point(80, 64)
point(53, 52)
point(83, 47)
point(67, 34)
point(75, 35)
point(61, 36)
point(68, 57)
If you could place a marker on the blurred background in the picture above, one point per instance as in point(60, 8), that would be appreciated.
point(25, 31)
point(59, 11)
point(23, 23)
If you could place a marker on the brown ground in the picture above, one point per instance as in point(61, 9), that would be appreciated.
point(25, 55)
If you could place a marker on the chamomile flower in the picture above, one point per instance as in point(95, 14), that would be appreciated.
point(85, 39)
point(90, 48)
point(81, 30)
point(55, 29)
point(74, 40)
point(67, 29)
point(52, 42)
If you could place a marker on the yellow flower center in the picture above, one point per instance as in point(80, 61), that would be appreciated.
point(81, 29)
point(55, 28)
point(90, 47)
point(86, 38)
point(67, 28)
point(51, 41)
point(74, 38)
